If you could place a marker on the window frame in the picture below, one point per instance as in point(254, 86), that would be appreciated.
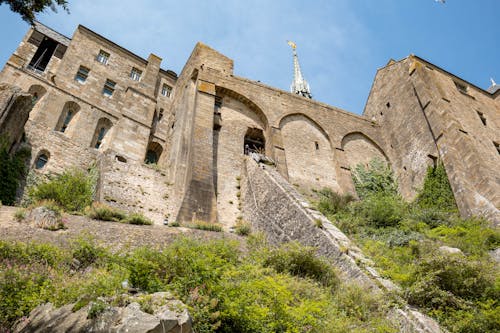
point(135, 74)
point(80, 76)
point(109, 88)
point(103, 57)
point(166, 90)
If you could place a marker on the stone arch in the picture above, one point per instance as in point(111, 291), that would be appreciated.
point(236, 118)
point(153, 153)
point(68, 113)
point(42, 158)
point(37, 92)
point(14, 117)
point(101, 130)
point(308, 153)
point(360, 148)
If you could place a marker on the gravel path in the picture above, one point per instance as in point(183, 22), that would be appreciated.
point(112, 234)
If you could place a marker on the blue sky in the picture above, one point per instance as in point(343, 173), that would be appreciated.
point(341, 43)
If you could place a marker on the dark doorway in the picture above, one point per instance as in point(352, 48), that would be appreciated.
point(254, 142)
point(43, 54)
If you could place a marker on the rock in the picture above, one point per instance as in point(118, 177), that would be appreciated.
point(495, 255)
point(169, 316)
point(449, 250)
point(45, 218)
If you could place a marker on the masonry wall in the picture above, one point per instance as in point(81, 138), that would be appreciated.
point(135, 187)
point(439, 122)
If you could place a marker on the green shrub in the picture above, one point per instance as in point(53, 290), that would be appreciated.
point(21, 290)
point(382, 210)
point(137, 218)
point(103, 212)
point(473, 236)
point(243, 228)
point(331, 202)
point(201, 225)
point(301, 261)
point(12, 169)
point(20, 214)
point(376, 178)
point(436, 191)
point(72, 190)
point(442, 281)
point(431, 216)
point(96, 309)
point(86, 252)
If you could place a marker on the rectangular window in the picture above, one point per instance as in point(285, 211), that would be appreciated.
point(482, 117)
point(217, 104)
point(82, 74)
point(135, 74)
point(103, 57)
point(166, 90)
point(109, 88)
point(497, 146)
point(461, 87)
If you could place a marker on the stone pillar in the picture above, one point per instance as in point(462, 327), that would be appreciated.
point(279, 152)
point(199, 202)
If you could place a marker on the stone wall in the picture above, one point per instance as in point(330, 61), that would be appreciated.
point(135, 187)
point(426, 118)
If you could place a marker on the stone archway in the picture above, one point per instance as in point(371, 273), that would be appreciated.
point(359, 148)
point(308, 152)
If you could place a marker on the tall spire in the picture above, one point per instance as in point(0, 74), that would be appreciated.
point(299, 85)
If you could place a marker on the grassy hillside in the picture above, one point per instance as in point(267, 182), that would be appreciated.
point(409, 243)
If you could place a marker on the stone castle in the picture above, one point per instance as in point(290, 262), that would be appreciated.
point(173, 146)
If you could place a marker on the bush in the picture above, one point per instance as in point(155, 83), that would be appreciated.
point(137, 218)
point(382, 210)
point(442, 281)
point(103, 212)
point(201, 225)
point(243, 228)
point(301, 261)
point(20, 214)
point(72, 190)
point(376, 178)
point(473, 236)
point(86, 252)
point(331, 202)
point(436, 191)
point(12, 169)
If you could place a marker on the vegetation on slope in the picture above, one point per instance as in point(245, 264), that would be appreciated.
point(264, 289)
point(460, 290)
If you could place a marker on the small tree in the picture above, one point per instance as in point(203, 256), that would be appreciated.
point(436, 192)
point(29, 8)
point(376, 178)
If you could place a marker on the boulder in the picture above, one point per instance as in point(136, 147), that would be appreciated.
point(169, 316)
point(45, 218)
point(449, 250)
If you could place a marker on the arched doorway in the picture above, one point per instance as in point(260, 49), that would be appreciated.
point(254, 141)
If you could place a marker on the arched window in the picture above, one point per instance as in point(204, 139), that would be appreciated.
point(102, 128)
point(153, 153)
point(69, 111)
point(42, 159)
point(37, 92)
